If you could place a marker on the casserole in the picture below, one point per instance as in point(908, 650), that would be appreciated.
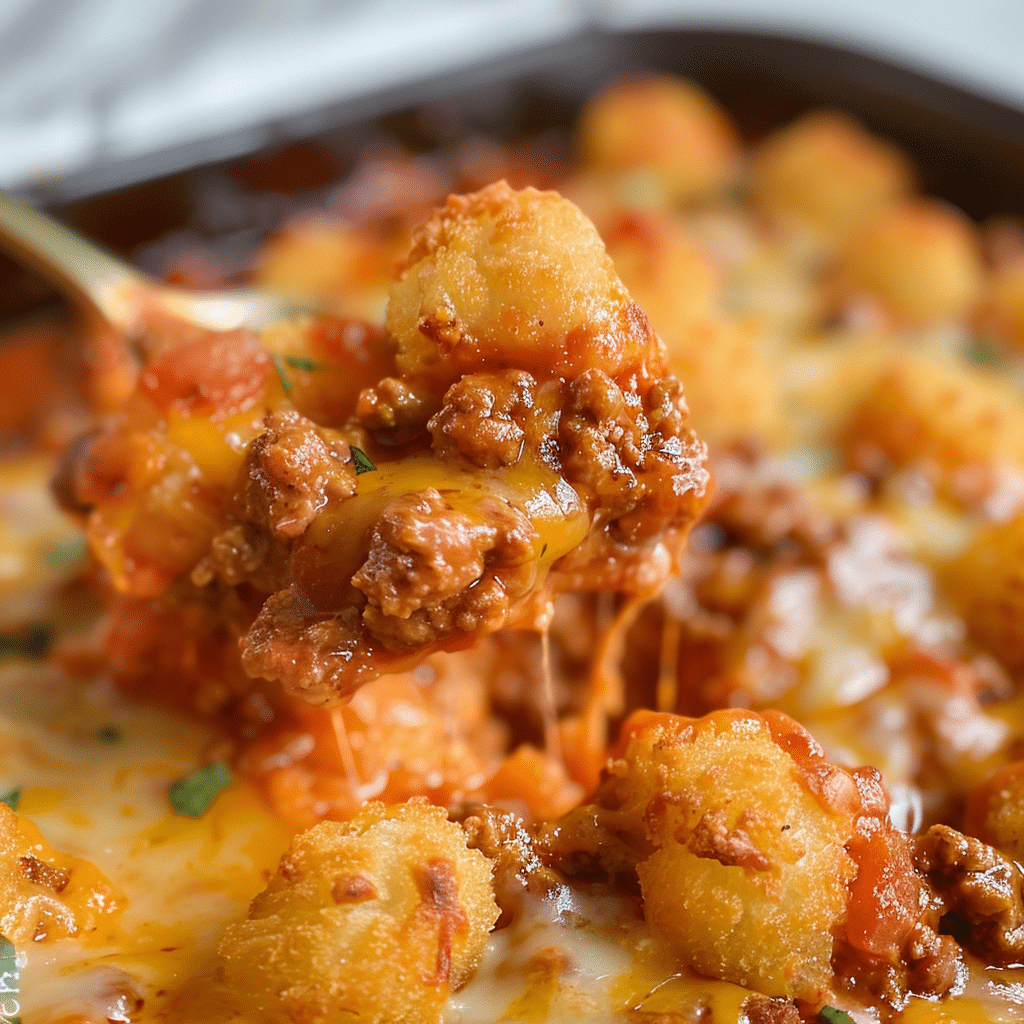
point(714, 663)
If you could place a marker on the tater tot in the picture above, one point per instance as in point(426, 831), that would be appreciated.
point(964, 427)
point(749, 878)
point(826, 172)
point(986, 584)
point(665, 129)
point(920, 260)
point(995, 811)
point(517, 279)
point(732, 385)
point(1002, 308)
point(327, 260)
point(736, 825)
point(672, 280)
point(377, 919)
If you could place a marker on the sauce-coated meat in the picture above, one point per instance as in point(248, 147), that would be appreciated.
point(527, 439)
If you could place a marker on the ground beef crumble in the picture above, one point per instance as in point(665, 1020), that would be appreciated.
point(425, 571)
point(518, 866)
point(292, 469)
point(484, 416)
point(394, 411)
point(982, 892)
point(767, 1010)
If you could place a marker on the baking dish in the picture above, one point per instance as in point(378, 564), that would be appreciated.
point(970, 149)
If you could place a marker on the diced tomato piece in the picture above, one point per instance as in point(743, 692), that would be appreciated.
point(884, 894)
point(216, 375)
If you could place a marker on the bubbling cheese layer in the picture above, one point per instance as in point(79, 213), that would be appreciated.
point(94, 773)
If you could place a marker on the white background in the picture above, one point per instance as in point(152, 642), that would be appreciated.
point(90, 81)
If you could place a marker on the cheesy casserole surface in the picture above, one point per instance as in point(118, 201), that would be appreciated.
point(611, 608)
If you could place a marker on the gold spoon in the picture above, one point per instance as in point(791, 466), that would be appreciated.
point(120, 294)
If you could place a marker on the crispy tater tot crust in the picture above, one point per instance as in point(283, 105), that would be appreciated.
point(520, 279)
point(664, 128)
point(826, 172)
point(740, 834)
point(920, 259)
point(959, 425)
point(378, 919)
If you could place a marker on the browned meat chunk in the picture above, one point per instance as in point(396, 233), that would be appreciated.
point(293, 470)
point(982, 890)
point(517, 865)
point(485, 418)
point(432, 569)
point(765, 1010)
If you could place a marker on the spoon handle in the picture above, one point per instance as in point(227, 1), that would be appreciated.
point(69, 261)
point(122, 296)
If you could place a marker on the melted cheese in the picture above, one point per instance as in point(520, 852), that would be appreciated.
point(38, 543)
point(560, 518)
point(181, 879)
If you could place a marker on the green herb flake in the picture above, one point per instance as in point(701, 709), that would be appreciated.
point(109, 735)
point(830, 1015)
point(282, 375)
point(301, 363)
point(67, 553)
point(10, 978)
point(12, 798)
point(361, 460)
point(984, 354)
point(193, 794)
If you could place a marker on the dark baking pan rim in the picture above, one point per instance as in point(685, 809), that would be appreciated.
point(970, 149)
point(808, 72)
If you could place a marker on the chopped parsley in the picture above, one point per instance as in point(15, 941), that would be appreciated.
point(361, 461)
point(193, 794)
point(12, 798)
point(282, 375)
point(830, 1015)
point(109, 735)
point(281, 364)
point(984, 354)
point(68, 553)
